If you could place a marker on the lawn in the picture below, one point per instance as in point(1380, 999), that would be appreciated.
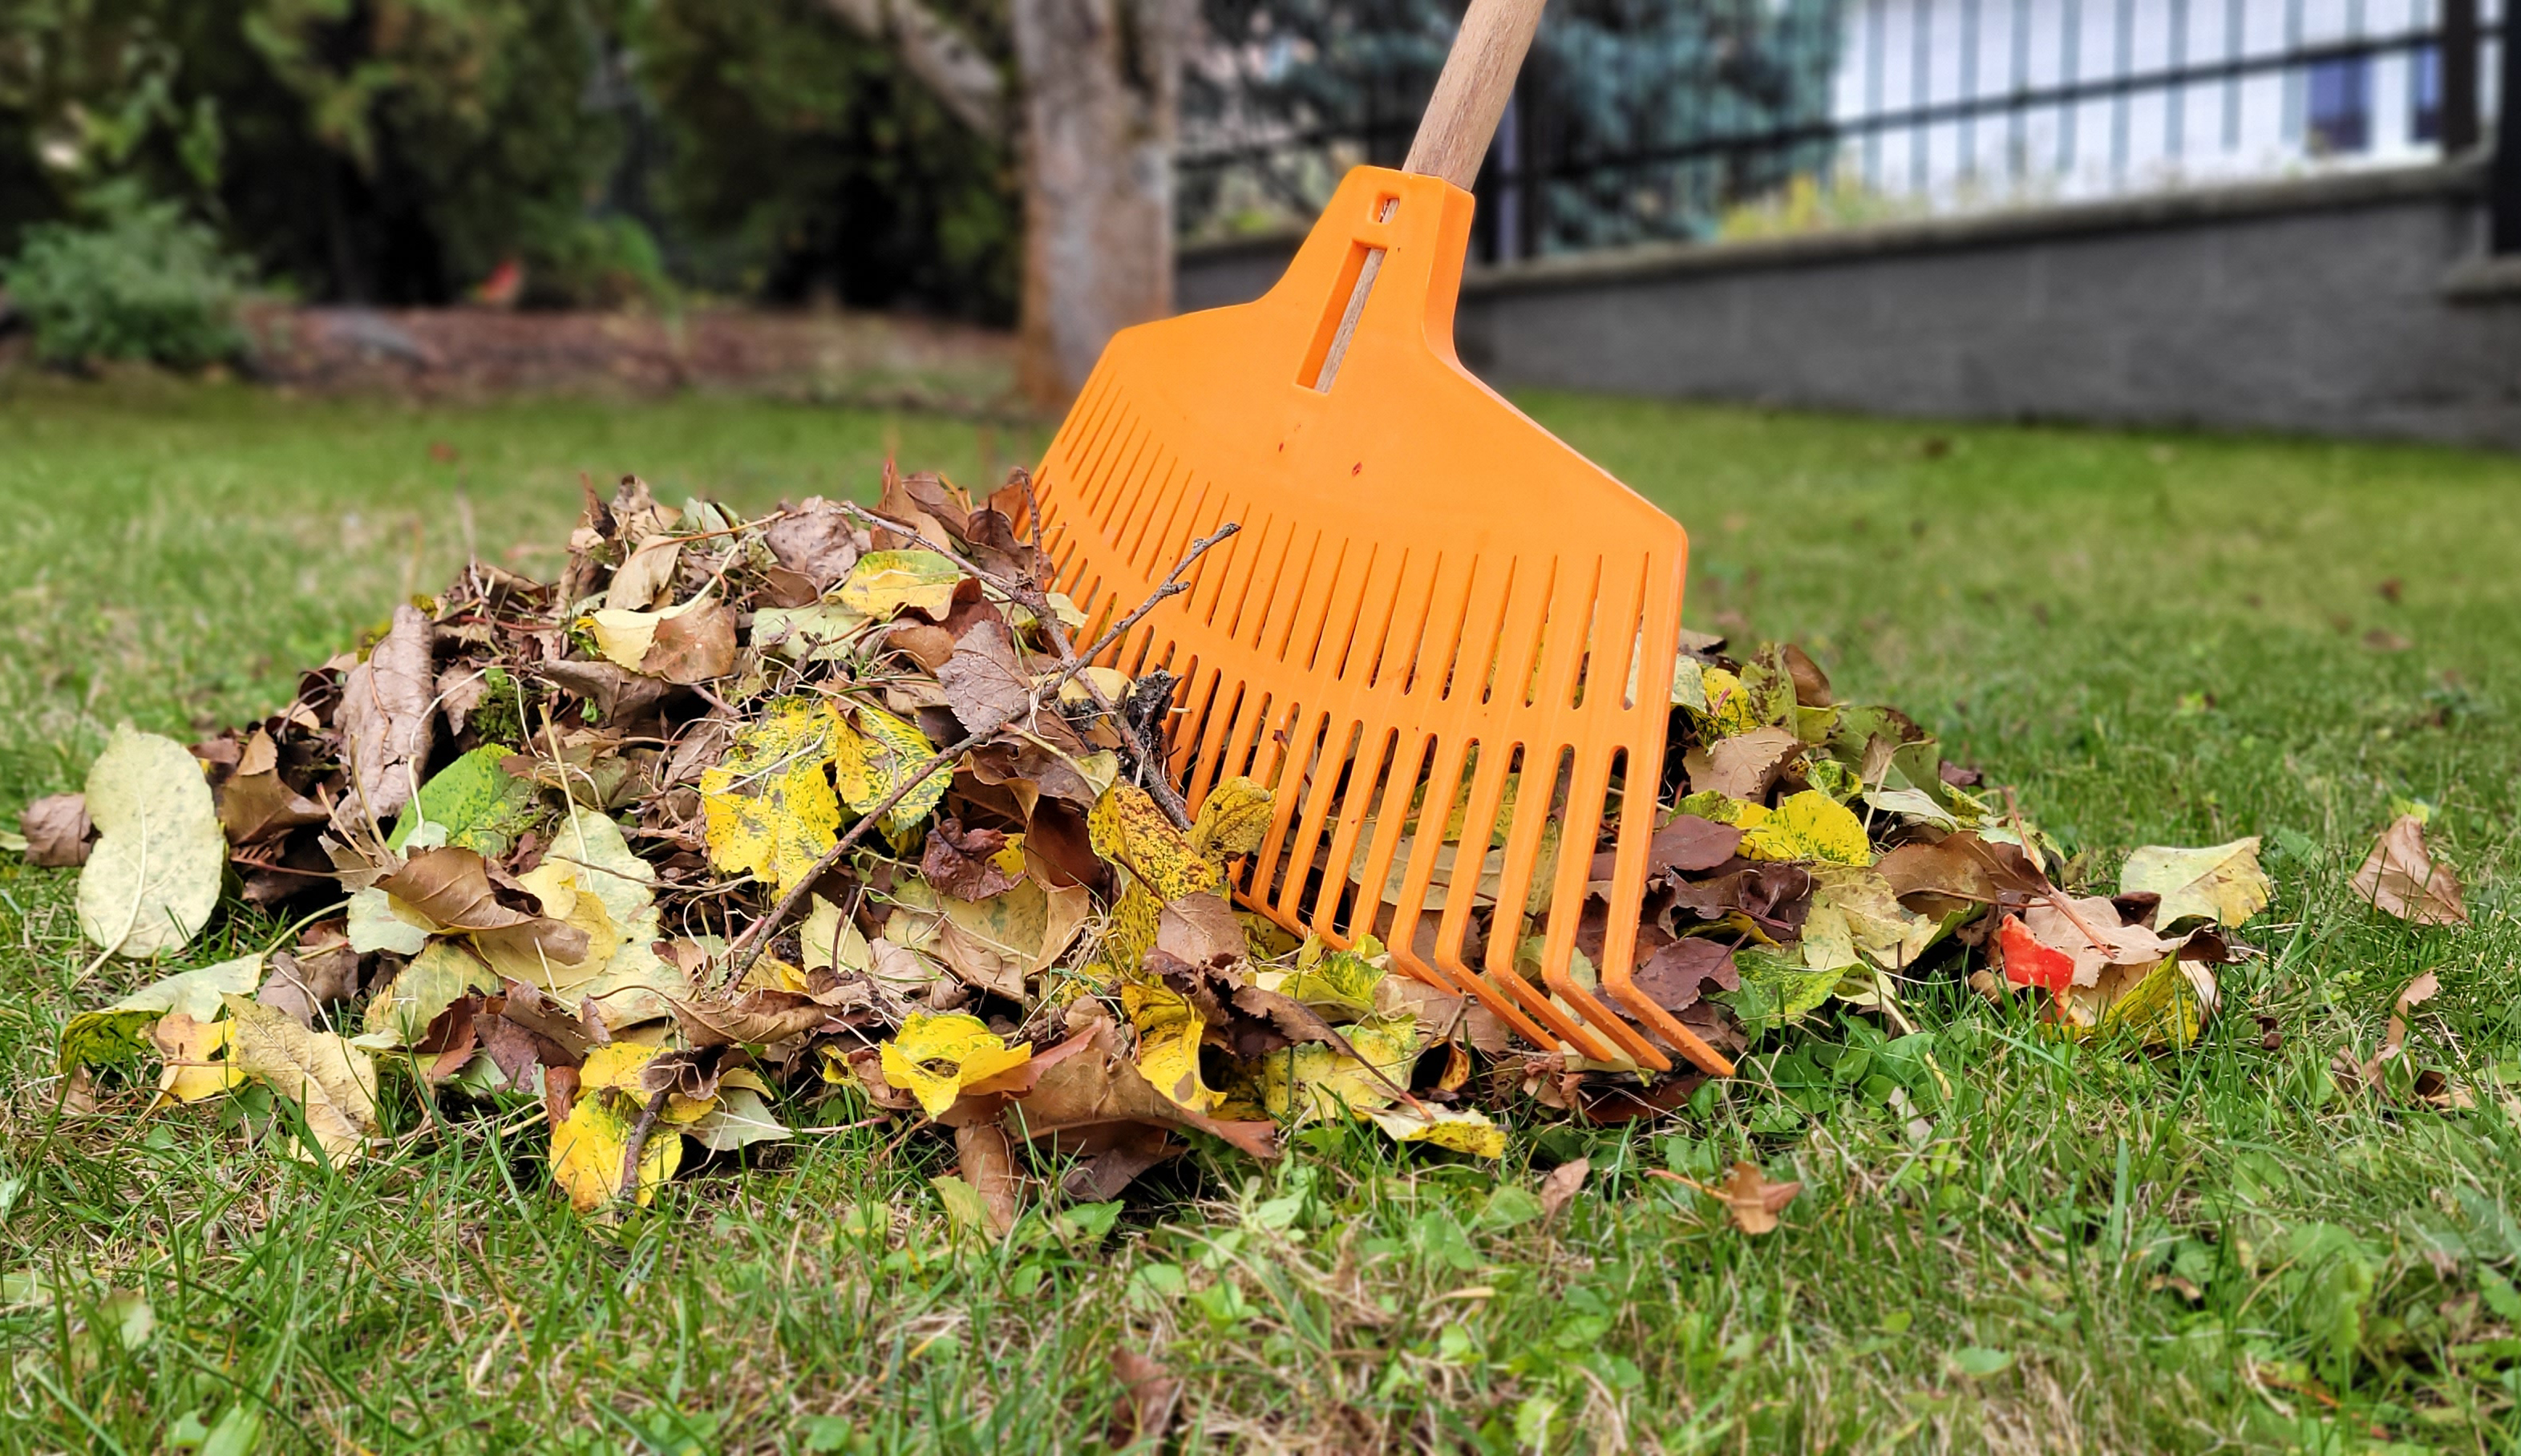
point(2157, 639)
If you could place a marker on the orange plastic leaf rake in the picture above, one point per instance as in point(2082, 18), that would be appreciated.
point(1444, 637)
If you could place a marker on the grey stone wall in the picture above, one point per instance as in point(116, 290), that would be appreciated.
point(2348, 304)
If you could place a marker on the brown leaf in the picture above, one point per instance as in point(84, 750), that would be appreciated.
point(1201, 930)
point(1962, 868)
point(988, 1164)
point(1811, 685)
point(693, 646)
point(984, 682)
point(1688, 843)
point(318, 975)
point(1088, 1100)
point(1561, 1185)
point(1744, 765)
point(995, 547)
point(925, 643)
point(258, 806)
point(2400, 879)
point(1776, 896)
point(2394, 1039)
point(452, 888)
point(814, 540)
point(756, 1018)
point(625, 698)
point(1677, 976)
point(959, 862)
point(566, 1038)
point(1144, 1409)
point(1748, 1196)
point(387, 721)
point(57, 831)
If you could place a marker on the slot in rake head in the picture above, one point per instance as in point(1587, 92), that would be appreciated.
point(1443, 637)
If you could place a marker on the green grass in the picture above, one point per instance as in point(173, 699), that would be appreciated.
point(2158, 639)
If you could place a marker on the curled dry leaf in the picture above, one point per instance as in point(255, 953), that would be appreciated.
point(1562, 1185)
point(56, 832)
point(2398, 878)
point(387, 721)
point(333, 1082)
point(1753, 1202)
point(1144, 1409)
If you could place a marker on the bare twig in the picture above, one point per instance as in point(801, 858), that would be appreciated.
point(1031, 596)
point(638, 1142)
point(747, 948)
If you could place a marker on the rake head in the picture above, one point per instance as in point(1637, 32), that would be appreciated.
point(1443, 637)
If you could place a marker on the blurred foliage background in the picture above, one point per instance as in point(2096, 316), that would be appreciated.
point(401, 152)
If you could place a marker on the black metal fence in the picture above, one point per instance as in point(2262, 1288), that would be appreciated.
point(1854, 110)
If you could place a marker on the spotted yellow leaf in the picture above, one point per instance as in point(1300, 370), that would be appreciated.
point(768, 805)
point(1233, 821)
point(1169, 1036)
point(1309, 1081)
point(1809, 825)
point(935, 1057)
point(1129, 830)
point(871, 762)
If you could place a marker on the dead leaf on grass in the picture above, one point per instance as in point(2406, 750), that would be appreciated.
point(2398, 878)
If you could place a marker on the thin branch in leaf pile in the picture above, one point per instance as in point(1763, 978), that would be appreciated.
point(1031, 596)
point(748, 947)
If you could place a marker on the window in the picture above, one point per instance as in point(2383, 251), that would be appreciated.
point(2424, 95)
point(2340, 119)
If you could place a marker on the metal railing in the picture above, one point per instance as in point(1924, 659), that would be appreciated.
point(1873, 144)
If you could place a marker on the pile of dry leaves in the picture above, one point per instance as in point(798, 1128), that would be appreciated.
point(741, 812)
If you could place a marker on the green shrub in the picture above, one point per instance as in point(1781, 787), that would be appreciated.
point(146, 284)
point(595, 262)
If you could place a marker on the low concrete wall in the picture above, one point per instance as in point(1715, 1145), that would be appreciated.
point(2347, 305)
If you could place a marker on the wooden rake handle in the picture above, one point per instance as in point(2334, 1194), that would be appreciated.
point(1471, 94)
point(1453, 135)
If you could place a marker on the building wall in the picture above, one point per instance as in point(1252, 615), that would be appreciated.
point(2348, 304)
point(1899, 55)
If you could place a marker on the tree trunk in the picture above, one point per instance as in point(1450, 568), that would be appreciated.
point(1102, 82)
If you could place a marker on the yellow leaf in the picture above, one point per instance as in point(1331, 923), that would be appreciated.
point(1169, 1036)
point(768, 805)
point(873, 761)
point(2222, 884)
point(518, 958)
point(1334, 981)
point(1880, 928)
point(1129, 830)
point(1233, 821)
point(197, 1065)
point(624, 636)
point(1309, 1081)
point(1462, 1129)
point(1131, 930)
point(829, 938)
point(615, 1065)
point(420, 992)
point(587, 1150)
point(1809, 825)
point(885, 582)
point(935, 1057)
point(333, 1082)
point(2163, 1005)
point(1730, 708)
